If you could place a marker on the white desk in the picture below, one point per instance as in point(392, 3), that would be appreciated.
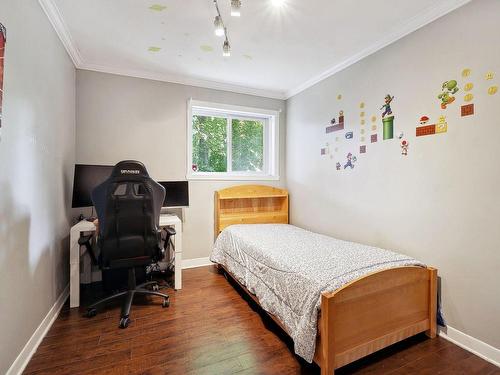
point(75, 252)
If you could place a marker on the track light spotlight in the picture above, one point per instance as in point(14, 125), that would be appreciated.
point(219, 26)
point(235, 8)
point(226, 49)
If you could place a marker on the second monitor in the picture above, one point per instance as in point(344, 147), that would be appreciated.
point(177, 193)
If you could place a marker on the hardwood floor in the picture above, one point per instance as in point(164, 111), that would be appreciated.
point(210, 328)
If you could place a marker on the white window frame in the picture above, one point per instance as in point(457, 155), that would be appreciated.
point(270, 119)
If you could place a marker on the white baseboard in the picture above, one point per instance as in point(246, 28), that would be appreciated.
point(197, 262)
point(31, 346)
point(473, 345)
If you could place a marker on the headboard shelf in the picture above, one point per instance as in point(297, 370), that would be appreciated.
point(250, 204)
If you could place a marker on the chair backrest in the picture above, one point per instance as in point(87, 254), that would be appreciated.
point(128, 207)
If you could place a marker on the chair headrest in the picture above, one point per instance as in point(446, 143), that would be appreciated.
point(130, 168)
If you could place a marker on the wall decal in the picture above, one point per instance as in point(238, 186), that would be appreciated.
point(388, 122)
point(154, 49)
point(362, 122)
point(362, 131)
point(362, 139)
point(349, 135)
point(468, 97)
point(361, 105)
point(448, 89)
point(493, 90)
point(468, 86)
point(337, 127)
point(374, 127)
point(361, 114)
point(338, 166)
point(374, 118)
point(466, 72)
point(426, 130)
point(424, 120)
point(3, 40)
point(373, 138)
point(339, 96)
point(467, 110)
point(489, 76)
point(362, 149)
point(401, 135)
point(158, 7)
point(323, 151)
point(404, 147)
point(350, 161)
point(441, 126)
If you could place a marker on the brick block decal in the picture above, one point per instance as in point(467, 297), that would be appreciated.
point(426, 130)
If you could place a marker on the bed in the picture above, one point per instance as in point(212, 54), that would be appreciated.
point(338, 300)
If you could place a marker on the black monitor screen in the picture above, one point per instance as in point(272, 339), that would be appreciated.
point(87, 177)
point(177, 193)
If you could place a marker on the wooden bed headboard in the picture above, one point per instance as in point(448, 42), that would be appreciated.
point(250, 204)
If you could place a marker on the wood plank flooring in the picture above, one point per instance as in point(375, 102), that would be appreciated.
point(210, 328)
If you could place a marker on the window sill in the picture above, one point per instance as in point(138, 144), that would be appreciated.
point(214, 177)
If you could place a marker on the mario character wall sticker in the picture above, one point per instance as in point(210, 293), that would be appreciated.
point(350, 161)
point(388, 117)
point(448, 89)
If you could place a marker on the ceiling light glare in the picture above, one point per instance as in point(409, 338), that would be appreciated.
point(226, 49)
point(278, 3)
point(236, 8)
point(219, 26)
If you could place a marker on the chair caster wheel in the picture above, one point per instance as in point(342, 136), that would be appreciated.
point(155, 287)
point(91, 313)
point(124, 322)
point(166, 302)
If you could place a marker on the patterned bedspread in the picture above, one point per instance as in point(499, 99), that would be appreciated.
point(287, 268)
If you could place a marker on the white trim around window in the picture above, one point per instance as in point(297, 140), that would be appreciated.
point(270, 119)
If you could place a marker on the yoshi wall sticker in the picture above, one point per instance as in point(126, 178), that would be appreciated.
point(388, 118)
point(448, 89)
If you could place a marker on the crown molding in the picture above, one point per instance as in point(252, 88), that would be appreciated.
point(431, 14)
point(183, 80)
point(420, 20)
point(61, 29)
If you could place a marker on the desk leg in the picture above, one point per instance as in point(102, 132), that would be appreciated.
point(74, 269)
point(178, 256)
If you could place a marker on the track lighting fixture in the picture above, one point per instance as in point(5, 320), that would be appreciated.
point(219, 26)
point(235, 8)
point(226, 49)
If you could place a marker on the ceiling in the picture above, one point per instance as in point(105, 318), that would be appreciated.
point(276, 51)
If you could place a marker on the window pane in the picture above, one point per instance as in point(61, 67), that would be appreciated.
point(247, 145)
point(209, 144)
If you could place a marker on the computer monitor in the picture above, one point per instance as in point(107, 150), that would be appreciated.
point(87, 177)
point(177, 193)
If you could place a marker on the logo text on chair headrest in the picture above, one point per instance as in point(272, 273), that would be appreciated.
point(130, 171)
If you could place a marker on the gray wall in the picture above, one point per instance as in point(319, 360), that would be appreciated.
point(439, 204)
point(130, 118)
point(36, 173)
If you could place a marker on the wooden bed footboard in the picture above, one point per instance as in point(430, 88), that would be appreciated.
point(374, 312)
point(364, 316)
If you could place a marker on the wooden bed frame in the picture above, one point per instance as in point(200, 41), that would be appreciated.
point(364, 316)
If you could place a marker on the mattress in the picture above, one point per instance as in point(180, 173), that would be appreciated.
point(287, 268)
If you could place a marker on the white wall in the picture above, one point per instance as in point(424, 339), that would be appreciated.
point(36, 173)
point(130, 118)
point(439, 204)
